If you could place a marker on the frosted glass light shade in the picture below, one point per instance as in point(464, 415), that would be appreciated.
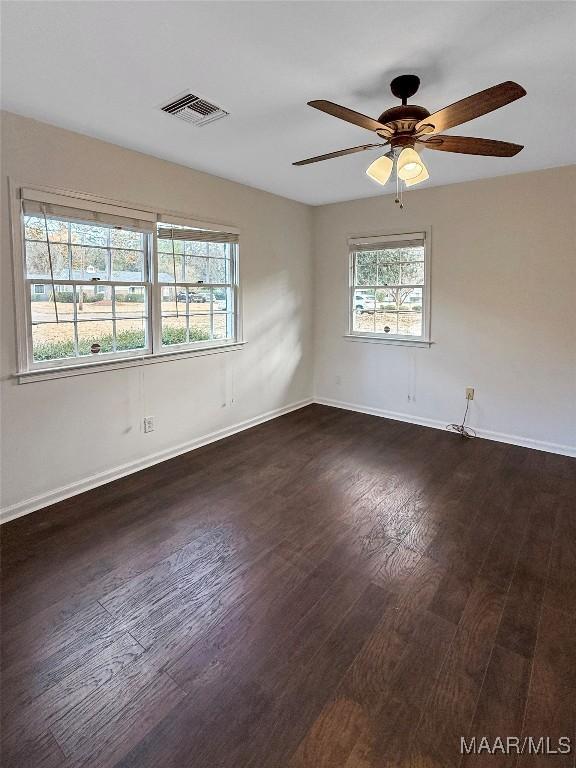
point(409, 164)
point(381, 169)
point(417, 179)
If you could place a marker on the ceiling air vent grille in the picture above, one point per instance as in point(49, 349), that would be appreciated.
point(194, 110)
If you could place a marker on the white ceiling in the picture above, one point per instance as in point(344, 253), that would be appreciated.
point(103, 69)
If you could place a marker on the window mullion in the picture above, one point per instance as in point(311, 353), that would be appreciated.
point(75, 315)
point(114, 344)
point(69, 244)
point(211, 313)
point(154, 321)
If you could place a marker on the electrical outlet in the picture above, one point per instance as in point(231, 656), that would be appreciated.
point(469, 393)
point(148, 424)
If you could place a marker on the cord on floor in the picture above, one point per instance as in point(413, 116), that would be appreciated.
point(462, 429)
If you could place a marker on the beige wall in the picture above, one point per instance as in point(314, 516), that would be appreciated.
point(503, 318)
point(56, 434)
point(503, 309)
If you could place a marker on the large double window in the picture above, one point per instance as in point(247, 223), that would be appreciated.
point(103, 283)
point(389, 287)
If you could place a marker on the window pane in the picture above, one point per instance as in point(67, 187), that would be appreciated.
point(196, 269)
point(396, 255)
point(42, 305)
point(412, 254)
point(94, 301)
point(94, 333)
point(387, 299)
point(363, 322)
point(412, 274)
point(127, 265)
point(89, 234)
point(174, 330)
point(130, 334)
point(386, 322)
point(123, 238)
point(38, 262)
point(168, 298)
point(194, 248)
point(219, 250)
point(223, 326)
point(364, 301)
point(410, 323)
point(89, 262)
point(366, 270)
point(130, 301)
point(388, 274)
point(222, 299)
point(53, 341)
point(198, 300)
point(34, 228)
point(219, 271)
point(166, 267)
point(199, 327)
point(410, 299)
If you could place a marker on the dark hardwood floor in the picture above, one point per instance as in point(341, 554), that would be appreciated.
point(328, 589)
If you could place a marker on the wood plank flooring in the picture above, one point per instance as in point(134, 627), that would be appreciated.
point(326, 590)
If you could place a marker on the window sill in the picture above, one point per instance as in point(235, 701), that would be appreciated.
point(391, 342)
point(44, 374)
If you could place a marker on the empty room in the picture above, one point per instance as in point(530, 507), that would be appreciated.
point(288, 384)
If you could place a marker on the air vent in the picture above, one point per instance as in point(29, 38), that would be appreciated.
point(194, 109)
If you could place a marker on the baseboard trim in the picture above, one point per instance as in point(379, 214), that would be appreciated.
point(73, 489)
point(101, 478)
point(422, 421)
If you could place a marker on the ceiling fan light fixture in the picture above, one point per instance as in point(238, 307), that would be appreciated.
point(381, 169)
point(409, 164)
point(417, 179)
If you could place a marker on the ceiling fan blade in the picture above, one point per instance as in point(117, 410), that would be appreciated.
point(357, 118)
point(474, 106)
point(339, 153)
point(467, 145)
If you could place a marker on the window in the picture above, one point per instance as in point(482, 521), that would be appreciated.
point(197, 285)
point(104, 283)
point(389, 297)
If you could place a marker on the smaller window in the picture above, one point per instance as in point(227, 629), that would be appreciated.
point(39, 290)
point(389, 287)
point(197, 277)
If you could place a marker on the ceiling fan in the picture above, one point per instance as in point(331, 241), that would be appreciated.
point(408, 127)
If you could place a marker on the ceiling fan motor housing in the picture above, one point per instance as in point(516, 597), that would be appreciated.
point(402, 120)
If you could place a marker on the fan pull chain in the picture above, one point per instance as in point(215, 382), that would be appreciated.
point(50, 262)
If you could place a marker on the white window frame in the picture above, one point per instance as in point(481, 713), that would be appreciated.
point(27, 369)
point(424, 340)
point(187, 285)
point(36, 291)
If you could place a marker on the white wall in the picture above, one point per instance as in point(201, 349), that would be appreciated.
point(58, 434)
point(503, 309)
